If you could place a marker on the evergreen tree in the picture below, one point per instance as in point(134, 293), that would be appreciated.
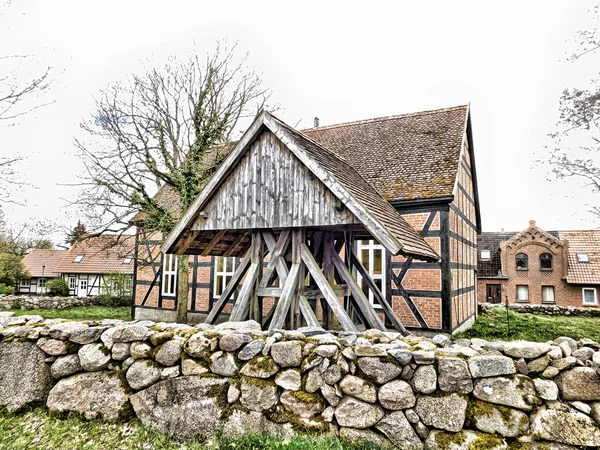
point(76, 233)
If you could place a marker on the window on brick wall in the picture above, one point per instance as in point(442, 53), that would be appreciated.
point(522, 261)
point(547, 294)
point(589, 296)
point(485, 254)
point(546, 261)
point(169, 275)
point(224, 269)
point(372, 255)
point(522, 293)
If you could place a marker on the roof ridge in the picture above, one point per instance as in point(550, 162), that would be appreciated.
point(384, 118)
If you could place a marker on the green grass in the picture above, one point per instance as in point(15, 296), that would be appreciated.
point(492, 325)
point(37, 429)
point(78, 312)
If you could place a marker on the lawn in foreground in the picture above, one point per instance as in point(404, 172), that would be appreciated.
point(39, 429)
point(78, 312)
point(492, 325)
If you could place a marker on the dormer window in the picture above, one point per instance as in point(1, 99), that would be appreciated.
point(546, 261)
point(78, 258)
point(522, 261)
point(486, 254)
point(127, 260)
point(583, 258)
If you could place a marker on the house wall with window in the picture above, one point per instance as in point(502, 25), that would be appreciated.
point(539, 267)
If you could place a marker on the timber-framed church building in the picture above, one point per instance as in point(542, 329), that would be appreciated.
point(368, 224)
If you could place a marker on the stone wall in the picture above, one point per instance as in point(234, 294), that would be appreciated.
point(408, 393)
point(43, 301)
point(548, 310)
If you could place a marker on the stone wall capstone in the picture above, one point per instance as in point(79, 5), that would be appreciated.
point(547, 310)
point(393, 391)
point(29, 302)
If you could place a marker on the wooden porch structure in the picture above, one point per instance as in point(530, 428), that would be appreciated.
point(291, 210)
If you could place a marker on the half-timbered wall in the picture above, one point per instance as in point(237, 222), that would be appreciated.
point(414, 287)
point(463, 245)
point(271, 188)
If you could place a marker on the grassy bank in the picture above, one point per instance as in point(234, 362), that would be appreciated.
point(78, 312)
point(493, 325)
point(37, 429)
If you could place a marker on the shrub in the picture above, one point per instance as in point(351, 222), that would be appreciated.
point(6, 290)
point(113, 300)
point(57, 287)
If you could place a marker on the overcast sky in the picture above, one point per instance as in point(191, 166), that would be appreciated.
point(341, 61)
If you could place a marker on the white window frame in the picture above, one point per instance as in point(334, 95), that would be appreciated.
point(73, 285)
point(169, 273)
point(583, 296)
point(528, 299)
point(128, 260)
point(486, 254)
point(583, 257)
point(78, 258)
point(226, 274)
point(553, 295)
point(372, 246)
point(26, 282)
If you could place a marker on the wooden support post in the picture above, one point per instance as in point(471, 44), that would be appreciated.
point(285, 301)
point(298, 239)
point(378, 296)
point(362, 302)
point(328, 272)
point(235, 243)
point(326, 288)
point(187, 242)
point(276, 250)
point(242, 303)
point(218, 306)
point(256, 258)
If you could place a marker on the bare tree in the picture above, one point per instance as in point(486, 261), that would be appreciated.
point(575, 152)
point(169, 127)
point(161, 128)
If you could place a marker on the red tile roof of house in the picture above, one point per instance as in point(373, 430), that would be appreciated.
point(101, 254)
point(43, 262)
point(583, 241)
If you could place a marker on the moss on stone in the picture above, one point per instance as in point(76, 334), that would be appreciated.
point(485, 442)
point(445, 440)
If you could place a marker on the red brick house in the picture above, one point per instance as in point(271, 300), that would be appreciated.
point(421, 164)
point(540, 267)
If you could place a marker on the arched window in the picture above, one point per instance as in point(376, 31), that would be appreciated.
point(522, 261)
point(546, 261)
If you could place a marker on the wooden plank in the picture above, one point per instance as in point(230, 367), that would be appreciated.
point(229, 289)
point(307, 312)
point(181, 249)
point(298, 239)
point(256, 259)
point(235, 243)
point(242, 303)
point(315, 293)
point(362, 302)
point(276, 249)
point(285, 301)
point(327, 290)
point(378, 296)
point(269, 291)
point(214, 241)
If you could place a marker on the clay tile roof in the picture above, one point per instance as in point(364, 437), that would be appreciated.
point(403, 157)
point(35, 259)
point(583, 241)
point(101, 254)
point(412, 242)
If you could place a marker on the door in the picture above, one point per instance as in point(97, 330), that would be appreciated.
point(493, 293)
point(83, 285)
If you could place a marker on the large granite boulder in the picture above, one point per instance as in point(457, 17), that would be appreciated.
point(491, 366)
point(257, 394)
point(91, 394)
point(359, 388)
point(302, 404)
point(396, 394)
point(24, 376)
point(445, 411)
point(366, 438)
point(464, 440)
point(454, 375)
point(380, 370)
point(496, 419)
point(142, 374)
point(94, 357)
point(580, 383)
point(559, 423)
point(65, 366)
point(399, 431)
point(517, 391)
point(287, 354)
point(355, 413)
point(185, 408)
point(525, 349)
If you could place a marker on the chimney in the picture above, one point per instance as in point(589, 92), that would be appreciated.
point(316, 122)
point(531, 223)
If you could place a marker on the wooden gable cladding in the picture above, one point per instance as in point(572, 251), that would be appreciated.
point(271, 188)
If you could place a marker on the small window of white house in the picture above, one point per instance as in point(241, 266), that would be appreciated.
point(78, 258)
point(72, 282)
point(485, 254)
point(224, 269)
point(127, 260)
point(169, 275)
point(522, 293)
point(589, 296)
point(583, 258)
point(42, 283)
point(547, 294)
point(25, 282)
point(372, 256)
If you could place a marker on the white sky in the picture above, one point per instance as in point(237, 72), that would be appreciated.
point(341, 61)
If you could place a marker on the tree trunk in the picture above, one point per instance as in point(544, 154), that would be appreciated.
point(182, 288)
